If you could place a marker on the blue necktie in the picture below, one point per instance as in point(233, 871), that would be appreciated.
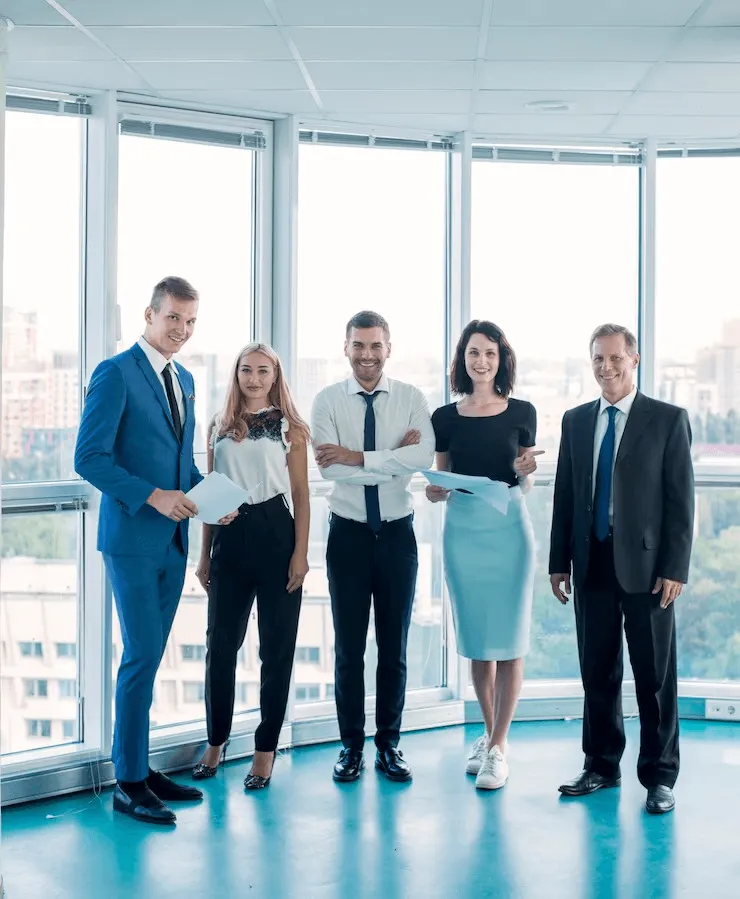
point(372, 500)
point(604, 468)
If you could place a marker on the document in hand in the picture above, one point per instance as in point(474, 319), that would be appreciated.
point(495, 493)
point(216, 496)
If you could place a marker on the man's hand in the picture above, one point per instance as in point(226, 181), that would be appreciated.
point(671, 590)
point(410, 438)
point(172, 504)
point(555, 581)
point(525, 464)
point(203, 573)
point(227, 519)
point(330, 454)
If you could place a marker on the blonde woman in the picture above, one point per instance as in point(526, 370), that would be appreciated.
point(260, 442)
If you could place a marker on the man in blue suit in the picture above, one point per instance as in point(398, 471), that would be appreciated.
point(135, 444)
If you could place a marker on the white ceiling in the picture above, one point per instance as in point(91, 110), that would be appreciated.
point(628, 68)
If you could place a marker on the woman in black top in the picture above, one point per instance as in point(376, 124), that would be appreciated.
point(489, 555)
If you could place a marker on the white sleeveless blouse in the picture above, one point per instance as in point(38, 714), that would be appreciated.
point(258, 463)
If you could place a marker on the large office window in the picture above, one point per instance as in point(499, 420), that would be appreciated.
point(697, 307)
point(41, 296)
point(39, 611)
point(555, 252)
point(371, 235)
point(187, 208)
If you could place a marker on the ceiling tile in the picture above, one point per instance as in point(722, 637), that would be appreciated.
point(46, 43)
point(597, 44)
point(174, 12)
point(195, 43)
point(694, 76)
point(707, 45)
point(721, 12)
point(541, 125)
point(63, 75)
point(221, 75)
point(439, 123)
point(676, 126)
point(385, 43)
point(347, 102)
point(681, 103)
point(585, 103)
point(265, 101)
point(381, 12)
point(563, 76)
point(31, 12)
point(392, 75)
point(593, 12)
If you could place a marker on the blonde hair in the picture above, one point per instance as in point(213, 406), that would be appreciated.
point(232, 421)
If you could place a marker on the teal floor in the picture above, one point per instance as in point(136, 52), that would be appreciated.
point(436, 838)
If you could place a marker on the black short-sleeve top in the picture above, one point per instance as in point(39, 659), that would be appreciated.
point(485, 446)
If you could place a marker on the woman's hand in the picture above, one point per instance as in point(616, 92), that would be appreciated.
point(297, 571)
point(203, 573)
point(525, 464)
point(437, 494)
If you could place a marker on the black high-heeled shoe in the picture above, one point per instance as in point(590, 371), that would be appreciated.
point(202, 771)
point(256, 781)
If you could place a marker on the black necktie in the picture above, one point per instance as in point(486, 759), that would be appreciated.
point(170, 391)
point(372, 500)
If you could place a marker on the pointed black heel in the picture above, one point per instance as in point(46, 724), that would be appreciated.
point(201, 771)
point(256, 781)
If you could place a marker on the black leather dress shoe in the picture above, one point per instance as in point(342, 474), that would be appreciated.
point(392, 763)
point(349, 765)
point(588, 782)
point(143, 805)
point(660, 800)
point(166, 788)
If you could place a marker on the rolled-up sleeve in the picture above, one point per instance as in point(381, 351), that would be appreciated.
point(407, 459)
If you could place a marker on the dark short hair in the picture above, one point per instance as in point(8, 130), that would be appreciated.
point(503, 384)
point(609, 330)
point(367, 319)
point(172, 286)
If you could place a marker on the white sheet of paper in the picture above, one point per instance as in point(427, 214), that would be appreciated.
point(216, 496)
point(495, 493)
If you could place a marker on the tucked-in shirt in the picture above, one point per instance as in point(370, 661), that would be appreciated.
point(338, 417)
point(485, 446)
point(602, 422)
point(259, 463)
point(159, 363)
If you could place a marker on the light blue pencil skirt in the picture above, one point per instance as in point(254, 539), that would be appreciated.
point(489, 568)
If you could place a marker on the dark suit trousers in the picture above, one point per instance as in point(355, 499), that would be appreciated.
point(250, 558)
point(602, 608)
point(362, 566)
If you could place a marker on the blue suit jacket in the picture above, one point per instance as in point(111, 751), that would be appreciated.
point(127, 446)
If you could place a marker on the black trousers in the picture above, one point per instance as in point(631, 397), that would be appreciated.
point(602, 609)
point(362, 566)
point(250, 558)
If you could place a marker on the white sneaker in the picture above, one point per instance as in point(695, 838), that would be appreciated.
point(494, 772)
point(477, 754)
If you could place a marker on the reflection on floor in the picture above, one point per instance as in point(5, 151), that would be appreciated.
point(436, 838)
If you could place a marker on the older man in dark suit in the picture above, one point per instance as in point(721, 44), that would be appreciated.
point(623, 524)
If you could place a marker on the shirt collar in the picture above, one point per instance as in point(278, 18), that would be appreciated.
point(157, 360)
point(353, 385)
point(624, 405)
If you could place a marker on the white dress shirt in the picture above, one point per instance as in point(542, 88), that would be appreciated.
point(158, 363)
point(602, 422)
point(338, 417)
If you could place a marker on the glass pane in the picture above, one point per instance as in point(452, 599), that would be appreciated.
point(39, 651)
point(708, 611)
point(371, 235)
point(315, 680)
point(554, 254)
point(698, 355)
point(41, 299)
point(187, 210)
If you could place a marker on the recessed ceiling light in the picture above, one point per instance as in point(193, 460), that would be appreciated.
point(549, 105)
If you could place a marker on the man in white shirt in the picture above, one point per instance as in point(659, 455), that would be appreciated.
point(623, 516)
point(370, 434)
